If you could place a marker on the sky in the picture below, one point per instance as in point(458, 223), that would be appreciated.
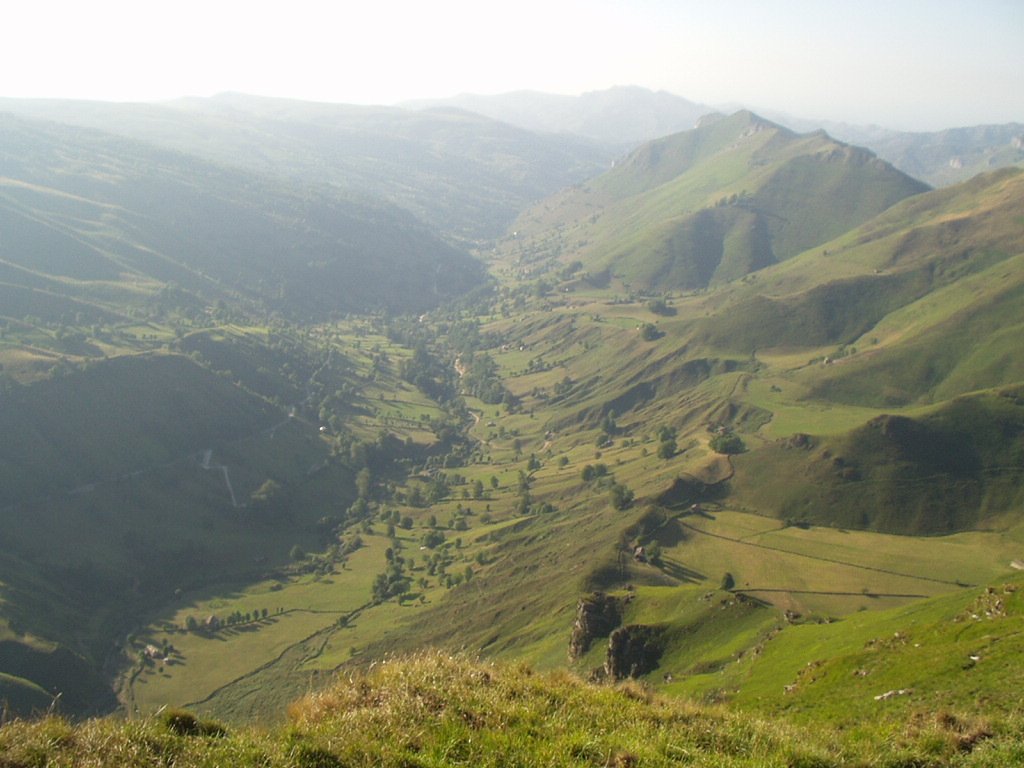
point(902, 64)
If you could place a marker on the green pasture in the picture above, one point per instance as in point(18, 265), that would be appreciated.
point(202, 662)
point(827, 571)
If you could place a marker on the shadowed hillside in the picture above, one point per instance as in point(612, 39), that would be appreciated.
point(108, 220)
point(950, 470)
point(463, 174)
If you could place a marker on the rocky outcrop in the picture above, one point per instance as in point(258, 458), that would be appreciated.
point(597, 615)
point(633, 651)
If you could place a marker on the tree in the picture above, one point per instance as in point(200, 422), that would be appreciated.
point(653, 549)
point(359, 509)
point(364, 482)
point(523, 505)
point(621, 496)
point(523, 482)
point(438, 489)
point(666, 433)
point(649, 332)
point(667, 448)
point(478, 489)
point(727, 443)
point(608, 424)
point(433, 539)
point(728, 582)
point(660, 307)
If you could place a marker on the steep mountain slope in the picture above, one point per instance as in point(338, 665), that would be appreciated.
point(107, 220)
point(710, 205)
point(929, 291)
point(462, 173)
point(831, 369)
point(124, 483)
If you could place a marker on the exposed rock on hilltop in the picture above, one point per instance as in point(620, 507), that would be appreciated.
point(597, 616)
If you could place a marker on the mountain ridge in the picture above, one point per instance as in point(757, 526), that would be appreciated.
point(711, 204)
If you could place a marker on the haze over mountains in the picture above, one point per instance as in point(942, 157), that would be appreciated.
point(622, 116)
point(626, 116)
point(459, 172)
point(287, 387)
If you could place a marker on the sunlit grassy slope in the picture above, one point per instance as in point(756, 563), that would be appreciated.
point(821, 515)
point(866, 381)
point(710, 205)
point(440, 710)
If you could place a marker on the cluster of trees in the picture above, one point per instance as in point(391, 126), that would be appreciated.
point(427, 373)
point(620, 496)
point(482, 379)
point(392, 583)
point(212, 623)
point(564, 386)
point(660, 307)
point(727, 442)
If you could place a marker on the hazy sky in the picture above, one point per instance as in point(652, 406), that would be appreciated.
point(910, 64)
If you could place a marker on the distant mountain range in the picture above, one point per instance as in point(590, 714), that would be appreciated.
point(627, 116)
point(465, 174)
point(622, 116)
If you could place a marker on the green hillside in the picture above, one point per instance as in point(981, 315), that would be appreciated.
point(712, 204)
point(591, 421)
point(126, 483)
point(948, 470)
point(142, 411)
point(117, 220)
point(466, 175)
point(740, 419)
point(923, 262)
point(438, 710)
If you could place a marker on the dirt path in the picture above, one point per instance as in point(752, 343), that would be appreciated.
point(207, 455)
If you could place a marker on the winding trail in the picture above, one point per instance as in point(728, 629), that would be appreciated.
point(207, 455)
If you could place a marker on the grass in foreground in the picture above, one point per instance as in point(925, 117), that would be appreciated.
point(439, 710)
